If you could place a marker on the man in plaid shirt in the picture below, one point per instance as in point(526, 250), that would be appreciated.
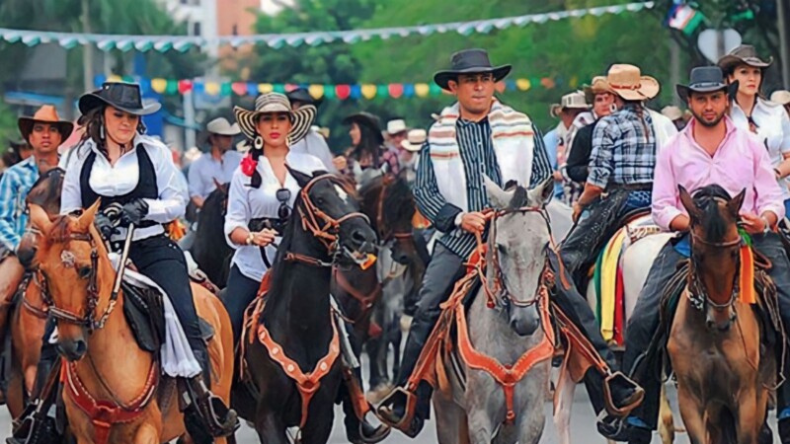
point(621, 166)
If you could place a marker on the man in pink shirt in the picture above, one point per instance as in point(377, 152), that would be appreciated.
point(709, 151)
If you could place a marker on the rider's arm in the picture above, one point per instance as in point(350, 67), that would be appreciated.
point(238, 216)
point(579, 159)
point(769, 201)
point(541, 166)
point(666, 209)
point(172, 202)
point(8, 235)
point(601, 161)
point(196, 186)
point(71, 194)
point(430, 201)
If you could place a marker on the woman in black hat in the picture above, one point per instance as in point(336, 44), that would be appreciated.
point(367, 150)
point(750, 111)
point(117, 162)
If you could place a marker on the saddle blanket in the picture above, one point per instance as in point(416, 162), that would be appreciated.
point(176, 357)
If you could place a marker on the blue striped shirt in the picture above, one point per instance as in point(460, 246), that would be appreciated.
point(479, 158)
point(14, 186)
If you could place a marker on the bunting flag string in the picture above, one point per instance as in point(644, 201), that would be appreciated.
point(181, 43)
point(366, 91)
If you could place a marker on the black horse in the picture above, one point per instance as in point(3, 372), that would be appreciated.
point(297, 317)
point(210, 251)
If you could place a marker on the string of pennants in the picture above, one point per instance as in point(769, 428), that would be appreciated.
point(183, 43)
point(366, 91)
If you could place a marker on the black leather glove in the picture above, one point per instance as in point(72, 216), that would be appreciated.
point(104, 225)
point(134, 212)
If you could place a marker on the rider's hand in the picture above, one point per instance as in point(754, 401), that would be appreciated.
point(263, 237)
point(104, 225)
point(577, 212)
point(474, 222)
point(134, 212)
point(753, 224)
point(340, 163)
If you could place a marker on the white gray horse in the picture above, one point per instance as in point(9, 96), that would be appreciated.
point(473, 408)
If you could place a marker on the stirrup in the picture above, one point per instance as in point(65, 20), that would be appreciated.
point(630, 404)
point(386, 415)
point(219, 420)
point(31, 429)
point(380, 433)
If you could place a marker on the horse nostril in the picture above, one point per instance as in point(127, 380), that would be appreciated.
point(358, 237)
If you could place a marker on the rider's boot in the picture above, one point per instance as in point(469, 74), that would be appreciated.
point(36, 424)
point(356, 408)
point(206, 416)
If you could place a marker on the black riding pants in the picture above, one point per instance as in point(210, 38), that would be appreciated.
point(239, 293)
point(643, 366)
point(160, 259)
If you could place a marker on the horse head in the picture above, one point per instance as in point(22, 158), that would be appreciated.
point(69, 256)
point(328, 207)
point(517, 243)
point(45, 193)
point(715, 252)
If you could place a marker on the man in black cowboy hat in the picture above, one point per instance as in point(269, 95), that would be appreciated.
point(313, 143)
point(741, 166)
point(464, 139)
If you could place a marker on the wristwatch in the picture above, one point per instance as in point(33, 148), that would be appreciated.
point(250, 237)
point(767, 224)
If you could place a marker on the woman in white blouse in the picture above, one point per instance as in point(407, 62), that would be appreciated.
point(262, 194)
point(116, 162)
point(750, 111)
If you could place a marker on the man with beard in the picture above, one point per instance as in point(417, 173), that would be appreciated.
point(710, 150)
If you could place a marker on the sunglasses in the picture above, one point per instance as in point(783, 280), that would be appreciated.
point(283, 196)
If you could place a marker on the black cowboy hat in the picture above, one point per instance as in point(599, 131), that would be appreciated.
point(470, 61)
point(366, 120)
point(303, 95)
point(124, 96)
point(746, 55)
point(706, 79)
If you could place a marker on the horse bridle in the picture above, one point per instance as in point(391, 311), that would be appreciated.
point(323, 226)
point(89, 320)
point(499, 291)
point(698, 294)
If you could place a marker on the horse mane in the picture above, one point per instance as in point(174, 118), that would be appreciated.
point(50, 193)
point(61, 230)
point(278, 271)
point(398, 205)
point(706, 199)
point(520, 199)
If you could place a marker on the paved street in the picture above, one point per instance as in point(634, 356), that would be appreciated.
point(583, 427)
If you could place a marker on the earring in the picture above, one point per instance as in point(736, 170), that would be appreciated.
point(101, 132)
point(258, 143)
point(613, 108)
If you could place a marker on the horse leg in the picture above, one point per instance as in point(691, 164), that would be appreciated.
point(666, 423)
point(563, 402)
point(146, 434)
point(451, 422)
point(396, 338)
point(270, 427)
point(749, 417)
point(692, 414)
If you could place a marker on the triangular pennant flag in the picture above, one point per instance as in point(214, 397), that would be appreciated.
point(382, 90)
point(368, 91)
point(435, 89)
point(172, 87)
point(212, 88)
point(343, 91)
point(523, 84)
point(225, 89)
point(422, 89)
point(356, 92)
point(316, 91)
point(408, 90)
point(329, 91)
point(264, 88)
point(279, 88)
point(252, 89)
point(184, 86)
point(158, 85)
point(240, 88)
point(396, 90)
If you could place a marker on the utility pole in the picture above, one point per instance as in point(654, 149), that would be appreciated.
point(87, 49)
point(674, 68)
point(782, 12)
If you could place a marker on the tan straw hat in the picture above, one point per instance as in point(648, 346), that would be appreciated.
point(273, 102)
point(414, 140)
point(781, 97)
point(599, 86)
point(45, 114)
point(628, 82)
point(574, 100)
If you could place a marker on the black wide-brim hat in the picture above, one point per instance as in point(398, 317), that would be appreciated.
point(303, 95)
point(123, 96)
point(706, 79)
point(367, 120)
point(470, 61)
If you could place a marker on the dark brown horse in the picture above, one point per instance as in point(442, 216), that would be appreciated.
point(714, 344)
point(210, 251)
point(292, 354)
point(28, 314)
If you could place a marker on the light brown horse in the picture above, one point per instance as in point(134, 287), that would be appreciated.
point(714, 342)
point(114, 370)
point(27, 318)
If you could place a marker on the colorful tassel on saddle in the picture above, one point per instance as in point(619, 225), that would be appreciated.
point(746, 283)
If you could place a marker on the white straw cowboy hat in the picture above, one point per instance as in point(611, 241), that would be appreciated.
point(273, 102)
point(221, 127)
point(414, 140)
point(781, 97)
point(396, 126)
point(628, 82)
point(672, 112)
point(574, 100)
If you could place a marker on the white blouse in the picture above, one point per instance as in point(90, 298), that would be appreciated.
point(122, 178)
point(246, 203)
point(773, 131)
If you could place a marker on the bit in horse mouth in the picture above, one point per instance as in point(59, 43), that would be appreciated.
point(364, 260)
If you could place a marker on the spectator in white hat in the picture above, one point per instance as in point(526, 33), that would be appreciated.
point(217, 165)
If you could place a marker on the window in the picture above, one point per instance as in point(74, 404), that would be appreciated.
point(235, 29)
point(196, 29)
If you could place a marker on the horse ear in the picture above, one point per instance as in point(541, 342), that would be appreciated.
point(688, 203)
point(734, 205)
point(500, 199)
point(542, 194)
point(301, 178)
point(39, 218)
point(86, 218)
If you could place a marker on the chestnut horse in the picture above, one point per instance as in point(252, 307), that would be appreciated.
point(714, 343)
point(114, 372)
point(28, 316)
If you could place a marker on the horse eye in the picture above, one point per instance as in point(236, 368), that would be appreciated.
point(501, 250)
point(84, 272)
point(320, 201)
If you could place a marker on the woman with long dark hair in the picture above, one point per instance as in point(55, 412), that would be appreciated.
point(116, 162)
point(367, 151)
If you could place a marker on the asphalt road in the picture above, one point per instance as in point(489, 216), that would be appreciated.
point(583, 426)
